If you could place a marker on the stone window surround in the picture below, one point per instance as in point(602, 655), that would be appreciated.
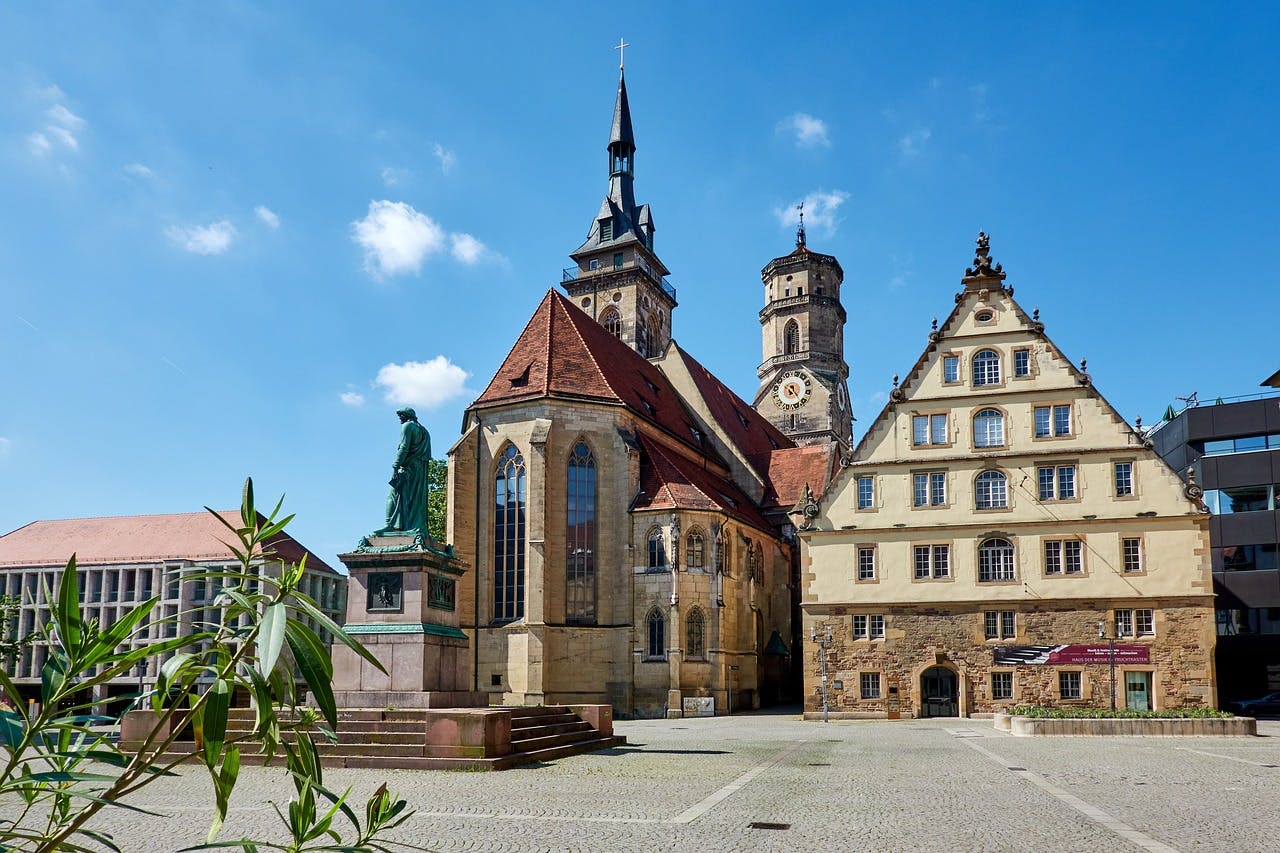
point(946, 488)
point(1133, 478)
point(930, 414)
point(977, 558)
point(931, 544)
point(858, 550)
point(1013, 684)
point(1062, 557)
point(862, 685)
point(1004, 428)
point(874, 492)
point(1050, 404)
point(959, 380)
point(1155, 693)
point(646, 652)
point(1000, 635)
point(867, 636)
point(1033, 366)
point(1008, 493)
point(1001, 359)
point(1086, 687)
point(1057, 481)
point(1142, 553)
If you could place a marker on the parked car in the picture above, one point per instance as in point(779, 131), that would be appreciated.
point(1263, 706)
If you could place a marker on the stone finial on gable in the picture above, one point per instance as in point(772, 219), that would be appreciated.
point(983, 274)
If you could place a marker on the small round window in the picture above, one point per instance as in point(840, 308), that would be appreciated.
point(617, 297)
point(586, 302)
point(984, 316)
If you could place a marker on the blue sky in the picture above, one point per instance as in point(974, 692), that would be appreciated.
point(233, 237)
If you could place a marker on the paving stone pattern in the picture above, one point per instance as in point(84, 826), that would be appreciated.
point(697, 784)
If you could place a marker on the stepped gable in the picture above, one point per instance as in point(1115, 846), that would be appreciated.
point(790, 469)
point(195, 536)
point(669, 480)
point(754, 436)
point(563, 353)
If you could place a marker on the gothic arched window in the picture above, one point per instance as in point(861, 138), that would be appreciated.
point(642, 338)
point(758, 565)
point(988, 428)
point(986, 367)
point(580, 536)
point(995, 560)
point(991, 490)
point(791, 337)
point(612, 322)
point(657, 640)
point(696, 631)
point(510, 497)
point(657, 549)
point(695, 554)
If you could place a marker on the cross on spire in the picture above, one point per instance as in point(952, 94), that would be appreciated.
point(800, 230)
point(621, 48)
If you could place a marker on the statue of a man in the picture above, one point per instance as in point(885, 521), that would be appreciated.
point(407, 501)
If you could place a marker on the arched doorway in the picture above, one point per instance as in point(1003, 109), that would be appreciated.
point(939, 693)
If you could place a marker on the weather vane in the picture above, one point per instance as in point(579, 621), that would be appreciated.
point(800, 230)
point(621, 49)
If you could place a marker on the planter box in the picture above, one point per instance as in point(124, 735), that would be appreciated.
point(1198, 726)
point(1001, 721)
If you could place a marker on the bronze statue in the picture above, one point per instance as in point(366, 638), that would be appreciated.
point(407, 500)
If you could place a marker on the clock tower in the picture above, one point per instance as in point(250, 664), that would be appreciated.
point(803, 378)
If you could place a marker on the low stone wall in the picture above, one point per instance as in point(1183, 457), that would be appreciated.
point(1200, 726)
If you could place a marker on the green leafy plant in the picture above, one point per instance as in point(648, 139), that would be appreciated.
point(63, 773)
point(437, 498)
point(1121, 714)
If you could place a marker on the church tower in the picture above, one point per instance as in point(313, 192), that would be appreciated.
point(617, 277)
point(803, 378)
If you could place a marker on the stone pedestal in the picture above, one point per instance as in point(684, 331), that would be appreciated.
point(401, 606)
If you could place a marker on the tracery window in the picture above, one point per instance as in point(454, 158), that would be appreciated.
point(988, 428)
point(656, 647)
point(986, 367)
point(612, 322)
point(580, 536)
point(791, 337)
point(695, 553)
point(991, 490)
point(696, 629)
point(657, 549)
point(510, 498)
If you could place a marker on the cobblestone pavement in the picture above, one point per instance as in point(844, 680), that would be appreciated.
point(696, 785)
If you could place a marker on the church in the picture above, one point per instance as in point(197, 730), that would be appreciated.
point(623, 514)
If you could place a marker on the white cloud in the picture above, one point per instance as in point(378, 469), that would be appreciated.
point(467, 249)
point(912, 144)
point(62, 127)
point(392, 175)
point(446, 158)
point(352, 398)
point(268, 216)
point(39, 143)
point(396, 238)
point(60, 115)
point(63, 135)
point(139, 170)
point(212, 239)
point(810, 132)
point(820, 211)
point(422, 383)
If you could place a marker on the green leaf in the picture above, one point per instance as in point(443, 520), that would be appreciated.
point(53, 676)
point(317, 670)
point(247, 513)
point(223, 783)
point(271, 636)
point(309, 607)
point(12, 730)
point(216, 702)
point(66, 610)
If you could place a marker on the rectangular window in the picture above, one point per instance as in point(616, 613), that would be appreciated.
point(937, 429)
point(1002, 685)
point(1052, 420)
point(1132, 552)
point(1069, 685)
point(1056, 483)
point(866, 564)
point(920, 430)
point(928, 429)
point(1042, 414)
point(1007, 624)
point(875, 626)
point(1073, 556)
point(932, 561)
point(606, 230)
point(951, 368)
point(1062, 420)
point(1145, 622)
point(1022, 362)
point(859, 627)
point(1045, 478)
point(870, 685)
point(929, 489)
point(999, 624)
point(618, 259)
point(866, 492)
point(1124, 623)
point(942, 561)
point(1066, 482)
point(1124, 479)
point(1053, 557)
point(923, 561)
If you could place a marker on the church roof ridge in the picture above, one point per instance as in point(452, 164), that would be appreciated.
point(672, 472)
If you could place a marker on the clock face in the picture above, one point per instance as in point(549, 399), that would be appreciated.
point(792, 390)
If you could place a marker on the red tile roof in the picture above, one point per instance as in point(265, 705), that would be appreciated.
point(791, 468)
point(563, 353)
point(194, 536)
point(669, 480)
point(747, 428)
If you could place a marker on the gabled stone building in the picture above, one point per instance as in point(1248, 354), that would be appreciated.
point(998, 514)
point(623, 513)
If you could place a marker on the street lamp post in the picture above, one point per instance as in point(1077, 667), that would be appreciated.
point(822, 640)
point(1102, 635)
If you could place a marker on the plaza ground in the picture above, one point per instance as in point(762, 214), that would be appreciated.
point(698, 785)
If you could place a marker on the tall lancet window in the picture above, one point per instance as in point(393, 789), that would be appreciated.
point(510, 497)
point(580, 537)
point(612, 322)
point(791, 337)
point(642, 337)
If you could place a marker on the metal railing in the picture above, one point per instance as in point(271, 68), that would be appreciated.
point(573, 273)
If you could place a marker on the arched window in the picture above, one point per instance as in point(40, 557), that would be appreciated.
point(696, 629)
point(991, 490)
point(695, 552)
point(657, 645)
point(657, 549)
point(722, 553)
point(510, 496)
point(995, 560)
point(612, 322)
point(988, 428)
point(642, 338)
point(580, 536)
point(986, 367)
point(791, 337)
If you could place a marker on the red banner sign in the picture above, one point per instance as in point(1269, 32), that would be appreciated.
point(1071, 654)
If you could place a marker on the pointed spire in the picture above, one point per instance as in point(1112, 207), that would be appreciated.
point(621, 132)
point(800, 243)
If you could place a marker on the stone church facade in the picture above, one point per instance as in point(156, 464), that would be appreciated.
point(623, 513)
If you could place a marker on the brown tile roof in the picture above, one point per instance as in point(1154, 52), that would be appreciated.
point(669, 480)
point(194, 536)
point(746, 427)
point(791, 468)
point(563, 353)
